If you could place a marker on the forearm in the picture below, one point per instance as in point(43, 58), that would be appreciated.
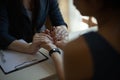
point(47, 43)
point(20, 47)
point(57, 59)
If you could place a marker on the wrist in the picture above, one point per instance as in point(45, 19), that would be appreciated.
point(51, 46)
point(31, 49)
point(54, 51)
point(27, 48)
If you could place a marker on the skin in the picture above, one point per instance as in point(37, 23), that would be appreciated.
point(78, 63)
point(47, 42)
point(60, 35)
point(60, 32)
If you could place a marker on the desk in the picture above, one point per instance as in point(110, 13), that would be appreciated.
point(41, 71)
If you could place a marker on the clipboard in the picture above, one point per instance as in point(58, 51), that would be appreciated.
point(14, 61)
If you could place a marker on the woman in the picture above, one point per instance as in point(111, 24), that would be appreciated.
point(94, 55)
point(21, 19)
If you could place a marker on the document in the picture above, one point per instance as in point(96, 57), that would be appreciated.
point(11, 61)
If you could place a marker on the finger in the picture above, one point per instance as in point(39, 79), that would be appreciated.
point(43, 34)
point(65, 34)
point(46, 39)
point(62, 35)
point(42, 41)
point(53, 28)
point(47, 31)
point(58, 30)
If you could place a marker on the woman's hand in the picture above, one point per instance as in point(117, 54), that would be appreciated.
point(35, 45)
point(44, 40)
point(60, 35)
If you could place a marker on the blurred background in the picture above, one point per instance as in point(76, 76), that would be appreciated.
point(76, 22)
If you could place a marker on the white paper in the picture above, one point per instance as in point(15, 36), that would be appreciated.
point(15, 60)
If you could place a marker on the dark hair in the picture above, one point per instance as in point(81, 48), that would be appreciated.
point(114, 4)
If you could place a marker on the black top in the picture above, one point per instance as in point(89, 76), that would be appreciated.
point(106, 59)
point(15, 22)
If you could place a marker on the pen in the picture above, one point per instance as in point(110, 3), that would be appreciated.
point(22, 64)
point(2, 56)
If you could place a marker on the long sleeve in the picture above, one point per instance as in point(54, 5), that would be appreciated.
point(55, 14)
point(5, 38)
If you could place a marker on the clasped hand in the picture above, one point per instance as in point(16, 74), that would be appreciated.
point(57, 37)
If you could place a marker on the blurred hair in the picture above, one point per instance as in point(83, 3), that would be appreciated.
point(114, 4)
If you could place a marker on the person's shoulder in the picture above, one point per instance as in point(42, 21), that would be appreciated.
point(77, 48)
point(77, 59)
point(78, 44)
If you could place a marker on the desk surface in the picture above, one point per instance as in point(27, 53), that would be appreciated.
point(41, 71)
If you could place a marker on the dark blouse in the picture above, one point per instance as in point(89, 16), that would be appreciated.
point(105, 58)
point(15, 22)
